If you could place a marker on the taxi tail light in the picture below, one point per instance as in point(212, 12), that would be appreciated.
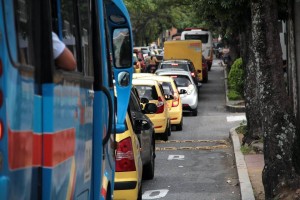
point(175, 102)
point(160, 105)
point(1, 102)
point(125, 156)
point(199, 71)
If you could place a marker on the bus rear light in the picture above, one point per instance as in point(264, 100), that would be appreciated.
point(1, 130)
point(1, 67)
point(125, 156)
point(1, 98)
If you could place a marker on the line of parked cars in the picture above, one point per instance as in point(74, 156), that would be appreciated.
point(156, 107)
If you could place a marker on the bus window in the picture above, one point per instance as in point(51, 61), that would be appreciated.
point(23, 25)
point(69, 36)
point(122, 48)
point(85, 33)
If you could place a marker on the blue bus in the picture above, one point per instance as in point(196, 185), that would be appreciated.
point(57, 127)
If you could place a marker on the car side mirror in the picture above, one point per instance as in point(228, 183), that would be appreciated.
point(150, 108)
point(144, 100)
point(141, 125)
point(182, 91)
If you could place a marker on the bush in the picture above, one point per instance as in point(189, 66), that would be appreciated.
point(234, 95)
point(236, 79)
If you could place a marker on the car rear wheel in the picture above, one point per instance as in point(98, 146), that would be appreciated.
point(179, 126)
point(195, 112)
point(148, 170)
point(170, 129)
point(166, 134)
point(140, 193)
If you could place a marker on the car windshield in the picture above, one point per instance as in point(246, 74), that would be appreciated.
point(174, 65)
point(167, 88)
point(148, 92)
point(181, 80)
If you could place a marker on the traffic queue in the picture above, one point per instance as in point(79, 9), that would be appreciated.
point(158, 100)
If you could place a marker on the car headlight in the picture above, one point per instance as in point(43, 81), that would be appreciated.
point(190, 89)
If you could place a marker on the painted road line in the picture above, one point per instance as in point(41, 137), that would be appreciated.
point(236, 118)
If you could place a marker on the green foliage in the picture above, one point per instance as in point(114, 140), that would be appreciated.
point(245, 149)
point(236, 79)
point(242, 129)
point(234, 95)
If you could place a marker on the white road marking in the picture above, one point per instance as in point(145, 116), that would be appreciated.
point(149, 194)
point(236, 118)
point(176, 157)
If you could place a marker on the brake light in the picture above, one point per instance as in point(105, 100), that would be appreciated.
point(1, 130)
point(192, 74)
point(124, 156)
point(160, 105)
point(174, 76)
point(174, 64)
point(1, 102)
point(1, 67)
point(199, 71)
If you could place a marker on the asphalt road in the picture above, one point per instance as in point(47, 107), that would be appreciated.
point(198, 162)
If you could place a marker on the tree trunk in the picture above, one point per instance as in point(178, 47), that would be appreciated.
point(278, 123)
point(253, 115)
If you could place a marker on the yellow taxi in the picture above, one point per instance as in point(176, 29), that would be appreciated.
point(129, 167)
point(174, 101)
point(153, 91)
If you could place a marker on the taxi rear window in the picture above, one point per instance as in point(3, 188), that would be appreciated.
point(167, 88)
point(148, 92)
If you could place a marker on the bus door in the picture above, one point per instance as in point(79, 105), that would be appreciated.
point(67, 104)
point(20, 100)
point(116, 46)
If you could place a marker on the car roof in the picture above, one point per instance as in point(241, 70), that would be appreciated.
point(144, 82)
point(171, 70)
point(139, 75)
point(177, 61)
point(158, 78)
point(175, 72)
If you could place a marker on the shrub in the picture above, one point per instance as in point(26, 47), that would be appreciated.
point(236, 78)
point(234, 95)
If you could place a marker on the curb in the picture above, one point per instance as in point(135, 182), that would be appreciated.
point(245, 184)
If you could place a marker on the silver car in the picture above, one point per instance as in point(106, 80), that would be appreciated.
point(187, 88)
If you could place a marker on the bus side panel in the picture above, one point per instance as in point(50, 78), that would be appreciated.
point(185, 49)
point(16, 145)
point(67, 114)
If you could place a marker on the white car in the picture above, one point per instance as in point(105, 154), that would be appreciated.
point(186, 87)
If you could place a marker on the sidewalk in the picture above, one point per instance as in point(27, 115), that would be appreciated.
point(249, 167)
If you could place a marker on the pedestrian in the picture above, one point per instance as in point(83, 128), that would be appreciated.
point(153, 63)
